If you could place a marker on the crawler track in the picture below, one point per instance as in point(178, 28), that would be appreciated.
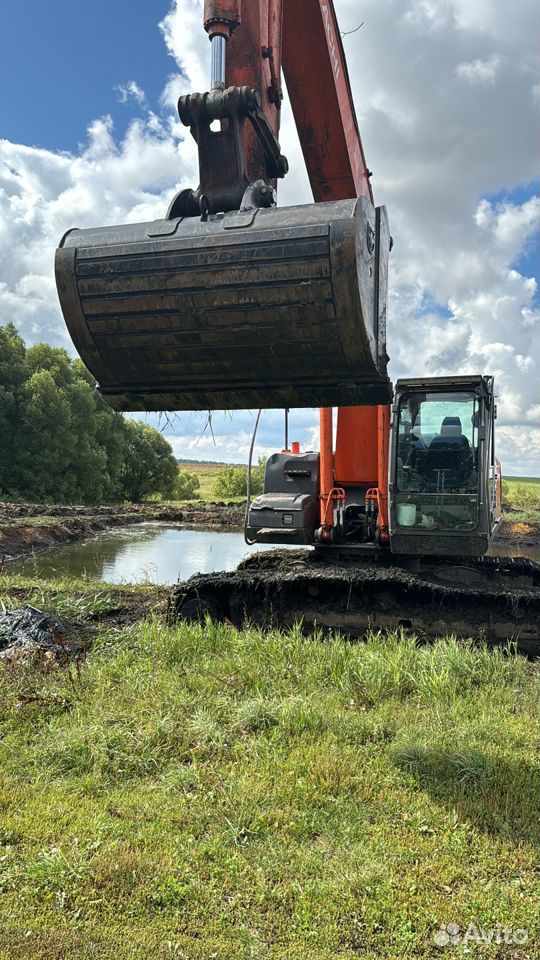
point(494, 597)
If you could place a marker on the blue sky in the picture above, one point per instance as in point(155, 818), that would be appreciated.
point(74, 55)
point(447, 98)
point(528, 260)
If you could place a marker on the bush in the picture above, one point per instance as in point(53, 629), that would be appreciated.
point(231, 483)
point(186, 486)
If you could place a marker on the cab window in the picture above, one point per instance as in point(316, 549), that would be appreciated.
point(436, 463)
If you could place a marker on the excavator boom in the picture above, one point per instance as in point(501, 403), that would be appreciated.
point(228, 301)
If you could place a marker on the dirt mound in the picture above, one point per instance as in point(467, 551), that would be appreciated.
point(514, 532)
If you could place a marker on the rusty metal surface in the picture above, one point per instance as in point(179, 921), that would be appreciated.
point(319, 90)
point(224, 168)
point(221, 12)
point(263, 307)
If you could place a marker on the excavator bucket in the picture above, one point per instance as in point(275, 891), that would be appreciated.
point(258, 307)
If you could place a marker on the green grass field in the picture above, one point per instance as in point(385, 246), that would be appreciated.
point(521, 498)
point(198, 792)
point(206, 474)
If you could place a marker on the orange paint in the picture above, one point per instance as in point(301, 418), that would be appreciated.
point(383, 432)
point(326, 462)
point(356, 446)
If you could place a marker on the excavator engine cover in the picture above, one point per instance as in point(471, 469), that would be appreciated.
point(261, 307)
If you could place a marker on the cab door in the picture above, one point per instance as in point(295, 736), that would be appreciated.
point(442, 467)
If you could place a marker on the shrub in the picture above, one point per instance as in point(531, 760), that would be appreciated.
point(230, 482)
point(186, 486)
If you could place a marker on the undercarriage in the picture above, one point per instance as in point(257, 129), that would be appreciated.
point(494, 598)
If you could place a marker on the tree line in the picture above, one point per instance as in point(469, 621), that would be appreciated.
point(61, 443)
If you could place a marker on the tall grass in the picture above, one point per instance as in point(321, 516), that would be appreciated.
point(521, 495)
point(197, 791)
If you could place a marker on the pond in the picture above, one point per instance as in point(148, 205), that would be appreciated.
point(152, 552)
point(159, 553)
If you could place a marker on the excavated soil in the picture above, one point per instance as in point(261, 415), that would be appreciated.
point(27, 528)
point(70, 637)
point(514, 532)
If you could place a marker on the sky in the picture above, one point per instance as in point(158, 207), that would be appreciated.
point(447, 95)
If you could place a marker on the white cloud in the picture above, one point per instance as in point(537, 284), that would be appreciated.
point(130, 91)
point(443, 96)
point(479, 71)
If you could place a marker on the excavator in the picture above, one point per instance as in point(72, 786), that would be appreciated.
point(230, 301)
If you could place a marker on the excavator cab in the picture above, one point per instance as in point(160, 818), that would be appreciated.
point(444, 479)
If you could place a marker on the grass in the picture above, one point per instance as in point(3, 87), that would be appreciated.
point(78, 599)
point(206, 474)
point(521, 498)
point(200, 792)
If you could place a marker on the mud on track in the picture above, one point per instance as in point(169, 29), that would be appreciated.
point(495, 598)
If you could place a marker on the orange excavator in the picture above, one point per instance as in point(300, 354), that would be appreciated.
point(232, 302)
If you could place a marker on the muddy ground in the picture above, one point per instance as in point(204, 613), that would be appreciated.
point(514, 532)
point(27, 528)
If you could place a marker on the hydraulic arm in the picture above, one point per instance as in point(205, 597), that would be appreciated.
point(229, 302)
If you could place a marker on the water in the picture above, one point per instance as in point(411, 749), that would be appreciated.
point(152, 552)
point(514, 550)
point(159, 553)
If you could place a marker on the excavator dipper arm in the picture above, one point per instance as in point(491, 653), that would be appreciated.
point(228, 301)
point(323, 108)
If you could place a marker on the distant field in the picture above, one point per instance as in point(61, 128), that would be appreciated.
point(530, 481)
point(206, 473)
point(519, 493)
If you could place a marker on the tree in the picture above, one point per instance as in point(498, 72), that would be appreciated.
point(59, 441)
point(186, 486)
point(231, 482)
point(46, 447)
point(12, 377)
point(149, 465)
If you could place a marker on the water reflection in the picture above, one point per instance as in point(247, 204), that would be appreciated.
point(146, 552)
point(514, 550)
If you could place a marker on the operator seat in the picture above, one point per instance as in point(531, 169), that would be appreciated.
point(449, 451)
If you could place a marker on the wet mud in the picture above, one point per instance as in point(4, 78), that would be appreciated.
point(494, 598)
point(514, 532)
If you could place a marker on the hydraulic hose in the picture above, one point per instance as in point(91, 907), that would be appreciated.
point(248, 480)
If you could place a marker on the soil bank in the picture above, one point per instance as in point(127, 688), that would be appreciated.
point(27, 528)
